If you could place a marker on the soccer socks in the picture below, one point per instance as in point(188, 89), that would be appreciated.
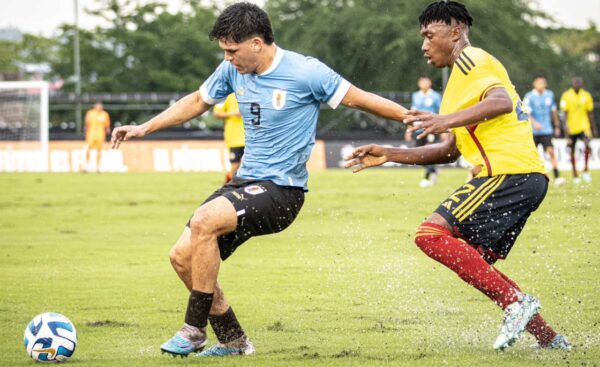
point(438, 243)
point(538, 327)
point(226, 326)
point(573, 164)
point(555, 171)
point(198, 307)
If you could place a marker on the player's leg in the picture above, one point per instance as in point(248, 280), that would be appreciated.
point(586, 155)
point(235, 159)
point(221, 316)
point(551, 152)
point(470, 261)
point(572, 144)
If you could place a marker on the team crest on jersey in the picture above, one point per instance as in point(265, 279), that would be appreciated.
point(240, 91)
point(279, 98)
point(254, 190)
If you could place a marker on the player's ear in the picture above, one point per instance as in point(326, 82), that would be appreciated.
point(256, 44)
point(456, 33)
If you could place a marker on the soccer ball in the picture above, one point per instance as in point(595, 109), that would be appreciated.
point(50, 337)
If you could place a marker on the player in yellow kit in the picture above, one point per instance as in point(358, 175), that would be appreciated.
point(97, 125)
point(233, 132)
point(479, 223)
point(578, 105)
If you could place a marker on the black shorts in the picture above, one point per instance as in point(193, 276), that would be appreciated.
point(544, 140)
point(573, 138)
point(235, 154)
point(490, 212)
point(262, 208)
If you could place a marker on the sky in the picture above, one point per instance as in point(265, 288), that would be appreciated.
point(44, 16)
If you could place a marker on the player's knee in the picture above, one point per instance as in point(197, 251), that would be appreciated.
point(201, 223)
point(177, 258)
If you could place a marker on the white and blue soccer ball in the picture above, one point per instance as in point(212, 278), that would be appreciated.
point(50, 337)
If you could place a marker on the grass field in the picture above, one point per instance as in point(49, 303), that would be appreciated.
point(344, 285)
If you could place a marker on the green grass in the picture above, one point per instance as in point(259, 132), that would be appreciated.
point(344, 285)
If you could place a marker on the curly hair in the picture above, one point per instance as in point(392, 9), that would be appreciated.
point(445, 11)
point(241, 21)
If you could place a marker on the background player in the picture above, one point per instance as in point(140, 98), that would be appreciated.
point(233, 131)
point(425, 99)
point(97, 125)
point(479, 223)
point(578, 105)
point(543, 113)
point(279, 93)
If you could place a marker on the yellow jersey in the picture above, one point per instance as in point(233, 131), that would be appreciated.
point(502, 145)
point(577, 106)
point(96, 123)
point(234, 126)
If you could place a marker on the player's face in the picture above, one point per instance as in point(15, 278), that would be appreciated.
point(424, 84)
point(438, 44)
point(244, 55)
point(577, 83)
point(539, 84)
point(98, 106)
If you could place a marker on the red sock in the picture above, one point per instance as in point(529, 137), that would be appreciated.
point(439, 244)
point(537, 326)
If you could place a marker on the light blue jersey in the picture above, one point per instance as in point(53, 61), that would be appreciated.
point(280, 108)
point(429, 101)
point(540, 107)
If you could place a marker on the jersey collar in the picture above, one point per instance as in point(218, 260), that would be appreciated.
point(276, 61)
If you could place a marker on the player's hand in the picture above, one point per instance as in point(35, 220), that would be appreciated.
point(366, 156)
point(124, 133)
point(431, 123)
point(557, 132)
point(537, 126)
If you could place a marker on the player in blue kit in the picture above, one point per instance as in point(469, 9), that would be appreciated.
point(543, 113)
point(425, 99)
point(279, 94)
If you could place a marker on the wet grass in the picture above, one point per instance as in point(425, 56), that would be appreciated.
point(344, 285)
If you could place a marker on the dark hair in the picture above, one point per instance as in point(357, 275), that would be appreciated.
point(539, 76)
point(424, 77)
point(445, 11)
point(239, 22)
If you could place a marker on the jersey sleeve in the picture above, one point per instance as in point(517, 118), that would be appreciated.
point(326, 85)
point(219, 85)
point(564, 104)
point(589, 105)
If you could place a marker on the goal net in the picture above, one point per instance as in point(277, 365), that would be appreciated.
point(24, 126)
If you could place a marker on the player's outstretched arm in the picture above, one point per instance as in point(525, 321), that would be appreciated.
point(372, 103)
point(183, 110)
point(496, 102)
point(375, 155)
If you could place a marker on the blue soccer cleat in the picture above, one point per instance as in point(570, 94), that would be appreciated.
point(237, 348)
point(516, 317)
point(181, 346)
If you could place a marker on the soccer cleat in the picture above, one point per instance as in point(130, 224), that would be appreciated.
point(425, 183)
point(559, 342)
point(559, 181)
point(236, 348)
point(181, 346)
point(516, 317)
point(587, 178)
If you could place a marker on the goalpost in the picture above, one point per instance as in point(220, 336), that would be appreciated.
point(24, 126)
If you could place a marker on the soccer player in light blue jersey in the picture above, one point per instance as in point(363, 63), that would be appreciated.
point(425, 99)
point(279, 94)
point(543, 113)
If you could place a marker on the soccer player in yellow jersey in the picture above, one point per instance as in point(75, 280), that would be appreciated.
point(479, 223)
point(229, 111)
point(97, 125)
point(578, 106)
